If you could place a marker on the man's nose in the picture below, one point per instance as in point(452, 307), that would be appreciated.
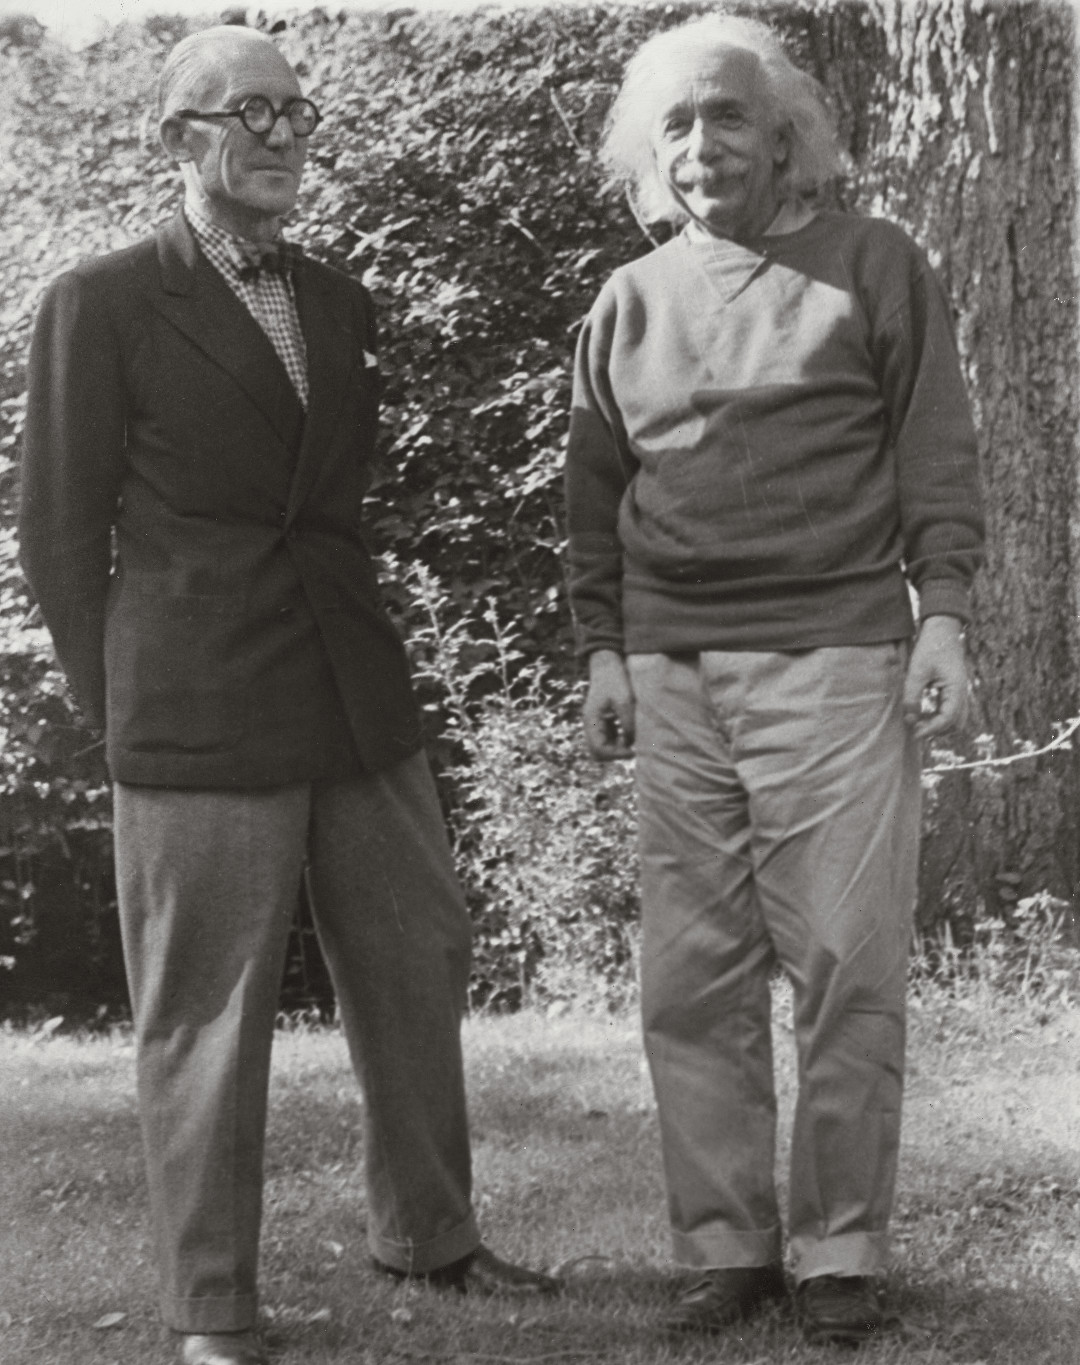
point(703, 142)
point(280, 133)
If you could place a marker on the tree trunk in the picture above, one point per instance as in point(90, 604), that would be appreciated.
point(960, 121)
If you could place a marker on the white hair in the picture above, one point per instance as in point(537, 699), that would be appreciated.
point(798, 105)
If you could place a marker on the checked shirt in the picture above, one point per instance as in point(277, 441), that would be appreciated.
point(269, 298)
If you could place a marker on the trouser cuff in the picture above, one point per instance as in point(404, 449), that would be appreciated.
point(236, 1313)
point(421, 1258)
point(720, 1248)
point(853, 1253)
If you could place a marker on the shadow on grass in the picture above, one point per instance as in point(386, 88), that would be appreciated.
point(1031, 1321)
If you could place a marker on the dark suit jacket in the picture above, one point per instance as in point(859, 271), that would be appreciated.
point(193, 540)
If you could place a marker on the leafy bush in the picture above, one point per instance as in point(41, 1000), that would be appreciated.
point(456, 176)
point(1032, 957)
point(544, 835)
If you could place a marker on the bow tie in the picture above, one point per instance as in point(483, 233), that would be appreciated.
point(253, 259)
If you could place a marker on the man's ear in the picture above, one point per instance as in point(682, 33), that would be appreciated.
point(174, 133)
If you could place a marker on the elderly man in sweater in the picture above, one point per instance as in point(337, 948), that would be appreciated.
point(770, 447)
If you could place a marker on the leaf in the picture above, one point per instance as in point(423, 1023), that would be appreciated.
point(109, 1320)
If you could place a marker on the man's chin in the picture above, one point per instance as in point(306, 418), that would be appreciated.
point(719, 221)
point(272, 205)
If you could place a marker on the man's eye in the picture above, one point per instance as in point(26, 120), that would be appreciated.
point(675, 127)
point(732, 118)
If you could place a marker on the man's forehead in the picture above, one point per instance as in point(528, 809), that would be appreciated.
point(732, 73)
point(242, 66)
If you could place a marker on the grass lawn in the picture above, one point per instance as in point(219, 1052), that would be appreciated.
point(987, 1262)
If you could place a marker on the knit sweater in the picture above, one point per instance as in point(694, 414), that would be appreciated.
point(767, 444)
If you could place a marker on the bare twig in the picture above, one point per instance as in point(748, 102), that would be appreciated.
point(89, 749)
point(515, 222)
point(556, 104)
point(564, 1267)
point(1058, 742)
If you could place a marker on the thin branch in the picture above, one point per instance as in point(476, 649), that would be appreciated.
point(556, 104)
point(1058, 742)
point(515, 222)
point(89, 749)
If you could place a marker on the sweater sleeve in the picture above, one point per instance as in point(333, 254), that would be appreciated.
point(599, 468)
point(72, 464)
point(933, 439)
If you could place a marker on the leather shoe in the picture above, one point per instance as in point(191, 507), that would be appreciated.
point(839, 1308)
point(724, 1296)
point(481, 1272)
point(221, 1348)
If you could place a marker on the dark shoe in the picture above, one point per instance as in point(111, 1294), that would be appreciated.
point(221, 1348)
point(839, 1308)
point(481, 1272)
point(722, 1297)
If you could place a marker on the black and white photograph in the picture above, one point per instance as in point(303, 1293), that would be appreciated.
point(540, 682)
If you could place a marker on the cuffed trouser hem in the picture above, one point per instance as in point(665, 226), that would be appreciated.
point(237, 1313)
point(726, 1248)
point(421, 1258)
point(853, 1253)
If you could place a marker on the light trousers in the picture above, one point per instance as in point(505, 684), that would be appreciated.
point(208, 885)
point(779, 817)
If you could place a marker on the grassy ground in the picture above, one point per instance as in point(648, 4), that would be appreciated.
point(567, 1172)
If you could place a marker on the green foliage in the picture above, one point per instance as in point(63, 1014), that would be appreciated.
point(449, 179)
point(1031, 957)
point(454, 175)
point(74, 182)
point(544, 836)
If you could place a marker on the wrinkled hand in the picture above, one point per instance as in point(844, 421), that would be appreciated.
point(609, 707)
point(936, 695)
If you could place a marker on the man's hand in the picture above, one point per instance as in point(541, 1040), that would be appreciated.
point(936, 689)
point(609, 707)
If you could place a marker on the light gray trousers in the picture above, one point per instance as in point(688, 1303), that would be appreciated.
point(208, 885)
point(779, 816)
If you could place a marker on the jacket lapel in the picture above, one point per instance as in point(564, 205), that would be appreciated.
point(199, 303)
point(332, 358)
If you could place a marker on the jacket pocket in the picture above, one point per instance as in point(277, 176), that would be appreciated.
point(174, 678)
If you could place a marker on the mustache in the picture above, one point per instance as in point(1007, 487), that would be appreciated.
point(691, 177)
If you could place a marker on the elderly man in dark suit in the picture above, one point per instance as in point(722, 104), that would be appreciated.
point(200, 430)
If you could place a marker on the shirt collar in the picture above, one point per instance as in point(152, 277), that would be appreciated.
point(209, 234)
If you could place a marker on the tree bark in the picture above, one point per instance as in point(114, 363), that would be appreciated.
point(960, 121)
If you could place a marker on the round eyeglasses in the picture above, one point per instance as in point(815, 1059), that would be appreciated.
point(258, 115)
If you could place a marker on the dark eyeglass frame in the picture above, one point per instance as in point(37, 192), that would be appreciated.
point(261, 109)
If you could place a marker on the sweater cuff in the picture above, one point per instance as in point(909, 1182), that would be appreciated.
point(944, 597)
point(589, 642)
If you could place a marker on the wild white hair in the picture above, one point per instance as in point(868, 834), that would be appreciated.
point(798, 105)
